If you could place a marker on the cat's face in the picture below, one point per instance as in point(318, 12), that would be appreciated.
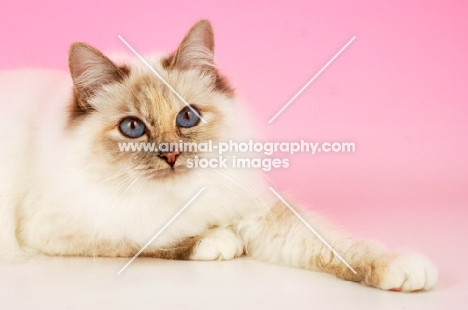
point(128, 103)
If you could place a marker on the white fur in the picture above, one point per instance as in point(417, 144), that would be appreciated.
point(409, 273)
point(44, 168)
point(49, 190)
point(219, 244)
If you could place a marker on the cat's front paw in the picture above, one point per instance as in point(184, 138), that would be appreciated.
point(218, 244)
point(406, 273)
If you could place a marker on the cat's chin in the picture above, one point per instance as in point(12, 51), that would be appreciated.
point(167, 173)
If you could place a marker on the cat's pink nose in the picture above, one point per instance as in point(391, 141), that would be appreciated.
point(170, 157)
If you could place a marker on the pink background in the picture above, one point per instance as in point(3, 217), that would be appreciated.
point(399, 91)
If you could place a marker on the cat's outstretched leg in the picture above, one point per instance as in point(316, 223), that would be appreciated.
point(219, 243)
point(278, 236)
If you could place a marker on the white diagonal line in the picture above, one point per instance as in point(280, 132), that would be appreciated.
point(311, 80)
point(161, 78)
point(161, 230)
point(314, 231)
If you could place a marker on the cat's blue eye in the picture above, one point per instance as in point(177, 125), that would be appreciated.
point(187, 118)
point(132, 127)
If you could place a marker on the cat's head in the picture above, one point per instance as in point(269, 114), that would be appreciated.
point(127, 103)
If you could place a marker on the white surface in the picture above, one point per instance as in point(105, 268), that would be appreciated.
point(87, 283)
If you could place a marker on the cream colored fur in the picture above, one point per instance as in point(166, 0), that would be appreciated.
point(64, 189)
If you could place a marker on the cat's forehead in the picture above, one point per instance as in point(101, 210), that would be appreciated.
point(150, 98)
point(191, 85)
point(147, 95)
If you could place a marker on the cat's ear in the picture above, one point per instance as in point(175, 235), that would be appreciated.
point(196, 52)
point(196, 49)
point(90, 69)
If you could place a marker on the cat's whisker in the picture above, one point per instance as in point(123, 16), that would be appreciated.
point(80, 202)
point(119, 186)
point(245, 183)
point(253, 191)
point(214, 184)
point(118, 173)
point(106, 216)
point(266, 177)
point(101, 216)
point(244, 188)
point(94, 188)
point(137, 193)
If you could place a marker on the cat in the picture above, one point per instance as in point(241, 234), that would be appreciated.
point(67, 190)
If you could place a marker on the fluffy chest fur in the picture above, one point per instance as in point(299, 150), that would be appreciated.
point(63, 187)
